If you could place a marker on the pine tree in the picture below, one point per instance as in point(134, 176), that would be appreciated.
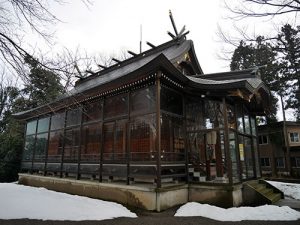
point(257, 54)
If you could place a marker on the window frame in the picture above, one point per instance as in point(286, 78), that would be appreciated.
point(297, 137)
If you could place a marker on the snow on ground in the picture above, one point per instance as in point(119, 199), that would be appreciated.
point(18, 201)
point(265, 212)
point(290, 190)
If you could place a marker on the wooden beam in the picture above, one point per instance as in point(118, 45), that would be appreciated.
point(101, 66)
point(150, 44)
point(116, 60)
point(132, 53)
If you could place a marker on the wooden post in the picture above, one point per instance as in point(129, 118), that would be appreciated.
point(79, 150)
point(158, 131)
point(226, 142)
point(63, 145)
point(35, 139)
point(252, 147)
point(47, 148)
point(102, 144)
point(127, 143)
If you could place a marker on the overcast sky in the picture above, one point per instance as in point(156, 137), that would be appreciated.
point(109, 26)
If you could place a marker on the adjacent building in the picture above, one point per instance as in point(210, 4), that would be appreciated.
point(279, 147)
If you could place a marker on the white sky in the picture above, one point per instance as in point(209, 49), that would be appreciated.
point(109, 26)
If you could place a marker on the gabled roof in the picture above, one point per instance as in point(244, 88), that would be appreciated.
point(167, 58)
point(175, 51)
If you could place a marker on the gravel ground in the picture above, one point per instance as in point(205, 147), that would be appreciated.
point(148, 218)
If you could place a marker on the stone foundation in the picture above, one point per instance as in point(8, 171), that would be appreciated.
point(149, 198)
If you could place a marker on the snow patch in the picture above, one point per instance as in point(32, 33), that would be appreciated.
point(290, 190)
point(265, 212)
point(18, 202)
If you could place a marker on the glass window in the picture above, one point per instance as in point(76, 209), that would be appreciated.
point(253, 125)
point(294, 137)
point(295, 162)
point(31, 127)
point(55, 146)
point(58, 121)
point(142, 101)
point(213, 116)
point(92, 111)
point(120, 143)
point(265, 162)
point(74, 117)
point(171, 101)
point(233, 155)
point(108, 141)
point(43, 125)
point(194, 115)
point(116, 106)
point(280, 162)
point(247, 124)
point(248, 157)
point(263, 139)
point(240, 123)
point(172, 141)
point(29, 148)
point(142, 138)
point(91, 142)
point(41, 146)
point(231, 117)
point(257, 166)
point(72, 138)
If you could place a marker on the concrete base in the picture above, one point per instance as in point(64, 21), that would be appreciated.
point(141, 196)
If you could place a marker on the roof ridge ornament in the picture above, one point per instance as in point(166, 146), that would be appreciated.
point(176, 36)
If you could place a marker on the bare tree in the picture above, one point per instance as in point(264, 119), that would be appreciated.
point(263, 8)
point(16, 16)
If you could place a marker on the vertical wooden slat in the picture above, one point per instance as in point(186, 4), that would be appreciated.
point(226, 141)
point(79, 150)
point(158, 130)
point(127, 143)
point(63, 145)
point(34, 149)
point(102, 143)
point(47, 148)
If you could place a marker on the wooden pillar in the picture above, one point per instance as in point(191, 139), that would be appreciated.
point(102, 144)
point(226, 142)
point(252, 151)
point(127, 145)
point(47, 148)
point(158, 131)
point(34, 148)
point(80, 144)
point(63, 145)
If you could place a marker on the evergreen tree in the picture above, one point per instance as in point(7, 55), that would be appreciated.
point(257, 54)
point(288, 48)
point(43, 86)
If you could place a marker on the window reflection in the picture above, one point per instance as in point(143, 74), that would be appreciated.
point(57, 121)
point(43, 125)
point(171, 101)
point(142, 138)
point(41, 146)
point(92, 111)
point(31, 127)
point(91, 141)
point(116, 106)
point(142, 101)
